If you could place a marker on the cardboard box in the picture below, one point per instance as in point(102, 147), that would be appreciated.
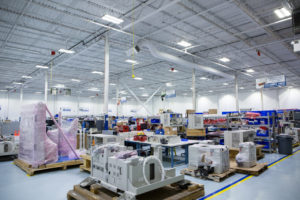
point(195, 132)
point(212, 111)
point(189, 111)
point(170, 130)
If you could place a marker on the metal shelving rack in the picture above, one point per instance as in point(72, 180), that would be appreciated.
point(271, 125)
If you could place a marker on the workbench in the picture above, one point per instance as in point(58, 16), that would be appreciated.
point(185, 144)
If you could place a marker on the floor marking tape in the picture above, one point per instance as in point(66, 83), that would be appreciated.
point(232, 185)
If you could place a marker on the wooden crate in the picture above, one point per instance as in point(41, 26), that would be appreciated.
point(31, 171)
point(213, 177)
point(86, 163)
point(234, 151)
point(256, 170)
point(195, 132)
point(174, 192)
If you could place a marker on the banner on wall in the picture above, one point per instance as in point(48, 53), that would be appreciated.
point(170, 93)
point(82, 109)
point(271, 82)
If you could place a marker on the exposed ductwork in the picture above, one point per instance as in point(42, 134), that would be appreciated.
point(176, 60)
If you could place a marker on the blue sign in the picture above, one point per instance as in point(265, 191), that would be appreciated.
point(170, 93)
point(271, 82)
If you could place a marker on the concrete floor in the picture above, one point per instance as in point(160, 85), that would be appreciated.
point(281, 181)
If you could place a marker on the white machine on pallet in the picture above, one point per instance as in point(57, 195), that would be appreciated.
point(209, 158)
point(171, 119)
point(8, 147)
point(234, 138)
point(247, 155)
point(123, 172)
point(195, 121)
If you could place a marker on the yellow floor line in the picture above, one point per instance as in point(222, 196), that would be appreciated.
point(217, 194)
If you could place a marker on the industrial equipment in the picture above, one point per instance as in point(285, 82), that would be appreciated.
point(247, 155)
point(127, 174)
point(195, 121)
point(209, 158)
point(171, 119)
point(164, 139)
point(8, 147)
point(234, 138)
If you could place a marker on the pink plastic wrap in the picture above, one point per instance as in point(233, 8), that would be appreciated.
point(70, 130)
point(35, 147)
point(38, 147)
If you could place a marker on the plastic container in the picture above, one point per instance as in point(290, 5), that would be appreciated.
point(285, 144)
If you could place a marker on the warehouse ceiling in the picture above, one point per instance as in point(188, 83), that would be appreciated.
point(248, 33)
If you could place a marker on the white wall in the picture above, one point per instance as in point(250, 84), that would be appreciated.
point(11, 109)
point(273, 99)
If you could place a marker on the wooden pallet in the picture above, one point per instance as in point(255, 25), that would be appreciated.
point(296, 144)
point(256, 170)
point(96, 192)
point(86, 163)
point(234, 151)
point(31, 171)
point(213, 177)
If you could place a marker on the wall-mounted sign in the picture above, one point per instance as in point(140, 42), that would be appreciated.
point(170, 93)
point(81, 109)
point(65, 109)
point(123, 99)
point(60, 91)
point(270, 82)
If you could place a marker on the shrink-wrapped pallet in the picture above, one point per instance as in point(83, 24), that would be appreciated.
point(247, 155)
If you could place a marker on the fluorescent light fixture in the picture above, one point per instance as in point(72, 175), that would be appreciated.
point(203, 78)
point(250, 70)
point(224, 59)
point(66, 51)
point(282, 13)
point(242, 88)
point(112, 19)
point(191, 88)
point(28, 77)
point(17, 83)
point(138, 78)
point(132, 61)
point(112, 84)
point(75, 80)
point(141, 88)
point(184, 94)
point(59, 86)
point(174, 70)
point(184, 43)
point(97, 72)
point(3, 90)
point(123, 92)
point(94, 89)
point(42, 66)
point(38, 92)
point(169, 84)
point(225, 83)
point(210, 91)
point(145, 95)
point(91, 96)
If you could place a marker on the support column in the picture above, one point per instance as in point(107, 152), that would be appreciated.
point(106, 82)
point(236, 92)
point(117, 98)
point(46, 87)
point(21, 95)
point(194, 89)
point(262, 98)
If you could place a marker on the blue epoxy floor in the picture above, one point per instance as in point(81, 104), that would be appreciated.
point(279, 182)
